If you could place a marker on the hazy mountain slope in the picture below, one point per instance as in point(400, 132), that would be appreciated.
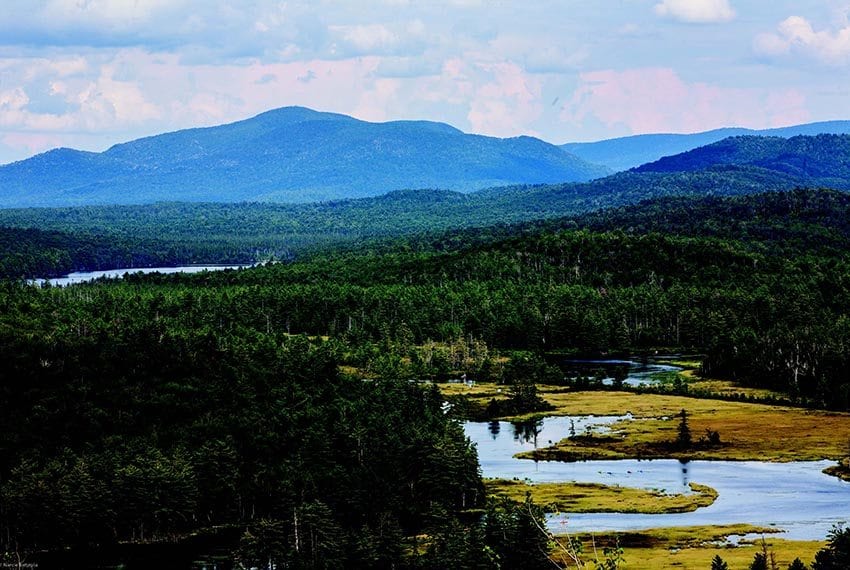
point(628, 152)
point(822, 160)
point(286, 155)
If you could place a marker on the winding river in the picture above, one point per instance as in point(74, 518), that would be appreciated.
point(794, 497)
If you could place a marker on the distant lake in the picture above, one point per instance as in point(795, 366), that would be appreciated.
point(83, 276)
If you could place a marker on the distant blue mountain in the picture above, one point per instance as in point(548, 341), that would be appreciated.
point(291, 154)
point(628, 152)
point(822, 160)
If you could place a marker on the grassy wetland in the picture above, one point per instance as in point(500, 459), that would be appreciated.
point(689, 548)
point(748, 431)
point(593, 497)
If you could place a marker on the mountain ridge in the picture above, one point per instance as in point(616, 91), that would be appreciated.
point(291, 154)
point(624, 153)
point(822, 159)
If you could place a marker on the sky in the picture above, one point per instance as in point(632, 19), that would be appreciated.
point(87, 74)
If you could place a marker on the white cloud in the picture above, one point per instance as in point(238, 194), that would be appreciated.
point(466, 3)
point(770, 45)
point(58, 88)
point(696, 11)
point(87, 98)
point(796, 34)
point(408, 67)
point(658, 100)
point(396, 38)
point(13, 100)
point(207, 30)
point(507, 102)
point(368, 38)
point(537, 57)
point(551, 59)
point(108, 101)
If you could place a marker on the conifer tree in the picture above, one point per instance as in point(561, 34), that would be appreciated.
point(683, 440)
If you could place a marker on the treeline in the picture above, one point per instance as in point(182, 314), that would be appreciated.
point(713, 203)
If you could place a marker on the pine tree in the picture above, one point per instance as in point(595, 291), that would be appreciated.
point(759, 562)
point(718, 563)
point(683, 440)
point(836, 554)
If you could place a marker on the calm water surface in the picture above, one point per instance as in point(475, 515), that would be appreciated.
point(639, 371)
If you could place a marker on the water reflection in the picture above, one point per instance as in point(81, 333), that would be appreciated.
point(495, 427)
point(527, 431)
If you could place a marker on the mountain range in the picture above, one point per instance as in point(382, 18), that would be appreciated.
point(737, 166)
point(297, 155)
point(291, 154)
point(629, 152)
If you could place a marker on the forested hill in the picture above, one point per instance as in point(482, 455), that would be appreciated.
point(396, 213)
point(31, 253)
point(794, 222)
point(629, 152)
point(291, 154)
point(776, 281)
point(821, 160)
point(755, 227)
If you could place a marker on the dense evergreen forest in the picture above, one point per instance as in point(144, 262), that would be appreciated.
point(275, 403)
point(766, 303)
point(823, 157)
point(133, 412)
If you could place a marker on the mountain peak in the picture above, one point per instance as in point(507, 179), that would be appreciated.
point(296, 114)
